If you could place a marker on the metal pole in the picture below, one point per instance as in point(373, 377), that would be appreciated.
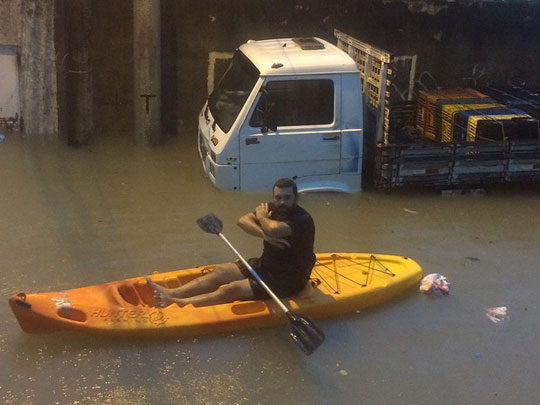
point(147, 71)
point(80, 123)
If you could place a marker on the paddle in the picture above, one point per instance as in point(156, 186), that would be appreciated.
point(304, 332)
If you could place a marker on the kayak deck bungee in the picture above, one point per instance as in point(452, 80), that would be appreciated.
point(342, 282)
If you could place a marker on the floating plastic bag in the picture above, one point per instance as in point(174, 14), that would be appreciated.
point(435, 284)
point(497, 314)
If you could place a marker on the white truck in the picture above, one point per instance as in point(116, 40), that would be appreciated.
point(322, 115)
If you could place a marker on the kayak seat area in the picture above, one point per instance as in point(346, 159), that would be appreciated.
point(172, 282)
point(136, 294)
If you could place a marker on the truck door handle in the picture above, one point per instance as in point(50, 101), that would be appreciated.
point(330, 137)
point(251, 141)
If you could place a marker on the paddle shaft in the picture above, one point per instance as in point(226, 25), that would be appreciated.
point(254, 273)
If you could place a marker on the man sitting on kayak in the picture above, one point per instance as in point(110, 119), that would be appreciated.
point(288, 233)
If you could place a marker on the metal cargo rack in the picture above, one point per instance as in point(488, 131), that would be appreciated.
point(386, 79)
point(456, 164)
point(390, 110)
point(476, 163)
point(523, 161)
point(405, 165)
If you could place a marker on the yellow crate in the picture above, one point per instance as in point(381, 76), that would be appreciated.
point(472, 122)
point(448, 113)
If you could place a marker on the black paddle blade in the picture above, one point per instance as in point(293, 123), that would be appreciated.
point(305, 333)
point(210, 223)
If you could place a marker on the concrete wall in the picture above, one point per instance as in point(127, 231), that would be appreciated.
point(29, 25)
point(113, 67)
point(10, 21)
point(112, 63)
point(458, 43)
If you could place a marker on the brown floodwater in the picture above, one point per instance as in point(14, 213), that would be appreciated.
point(77, 217)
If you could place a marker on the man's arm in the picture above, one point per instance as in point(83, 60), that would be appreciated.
point(271, 227)
point(251, 225)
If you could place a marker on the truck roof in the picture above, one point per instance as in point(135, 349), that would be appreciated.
point(297, 56)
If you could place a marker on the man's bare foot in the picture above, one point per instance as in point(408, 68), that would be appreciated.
point(161, 294)
point(163, 299)
point(155, 286)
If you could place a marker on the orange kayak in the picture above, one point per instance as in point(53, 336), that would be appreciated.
point(341, 283)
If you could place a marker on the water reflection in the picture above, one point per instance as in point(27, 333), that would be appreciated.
point(75, 217)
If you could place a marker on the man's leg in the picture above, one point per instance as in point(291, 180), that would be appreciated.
point(233, 291)
point(222, 274)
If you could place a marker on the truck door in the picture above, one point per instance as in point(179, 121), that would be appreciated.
point(292, 130)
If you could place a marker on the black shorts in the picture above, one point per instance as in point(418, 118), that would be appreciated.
point(281, 289)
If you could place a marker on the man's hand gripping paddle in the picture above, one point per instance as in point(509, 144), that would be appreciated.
point(304, 332)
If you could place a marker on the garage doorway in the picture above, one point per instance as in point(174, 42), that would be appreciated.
point(10, 106)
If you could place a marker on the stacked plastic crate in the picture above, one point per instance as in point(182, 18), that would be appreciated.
point(494, 124)
point(526, 99)
point(447, 110)
point(523, 153)
point(427, 108)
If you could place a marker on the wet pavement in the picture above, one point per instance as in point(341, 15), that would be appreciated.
point(76, 217)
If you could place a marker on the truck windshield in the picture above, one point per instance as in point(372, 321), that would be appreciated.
point(233, 89)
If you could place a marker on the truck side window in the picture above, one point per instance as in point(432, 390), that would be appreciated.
point(296, 102)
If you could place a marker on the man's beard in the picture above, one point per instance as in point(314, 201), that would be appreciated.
point(279, 213)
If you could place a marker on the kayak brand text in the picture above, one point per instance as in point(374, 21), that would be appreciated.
point(155, 317)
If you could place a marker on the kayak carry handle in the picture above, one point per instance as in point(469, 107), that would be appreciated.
point(21, 300)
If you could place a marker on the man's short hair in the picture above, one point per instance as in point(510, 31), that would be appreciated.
point(286, 183)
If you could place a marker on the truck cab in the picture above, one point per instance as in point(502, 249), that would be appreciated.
point(285, 108)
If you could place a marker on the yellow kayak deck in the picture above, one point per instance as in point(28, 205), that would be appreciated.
point(342, 282)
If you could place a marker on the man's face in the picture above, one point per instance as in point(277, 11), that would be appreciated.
point(284, 201)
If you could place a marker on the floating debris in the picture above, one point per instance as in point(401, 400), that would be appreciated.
point(435, 284)
point(497, 314)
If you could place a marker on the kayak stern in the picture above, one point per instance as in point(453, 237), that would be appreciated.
point(34, 315)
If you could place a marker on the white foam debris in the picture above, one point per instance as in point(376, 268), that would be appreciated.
point(497, 314)
point(435, 284)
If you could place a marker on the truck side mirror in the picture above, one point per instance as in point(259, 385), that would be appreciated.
point(272, 126)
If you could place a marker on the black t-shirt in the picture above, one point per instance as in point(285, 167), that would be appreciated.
point(292, 265)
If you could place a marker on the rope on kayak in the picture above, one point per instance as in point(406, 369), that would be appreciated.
point(369, 266)
point(336, 274)
point(323, 280)
point(341, 275)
